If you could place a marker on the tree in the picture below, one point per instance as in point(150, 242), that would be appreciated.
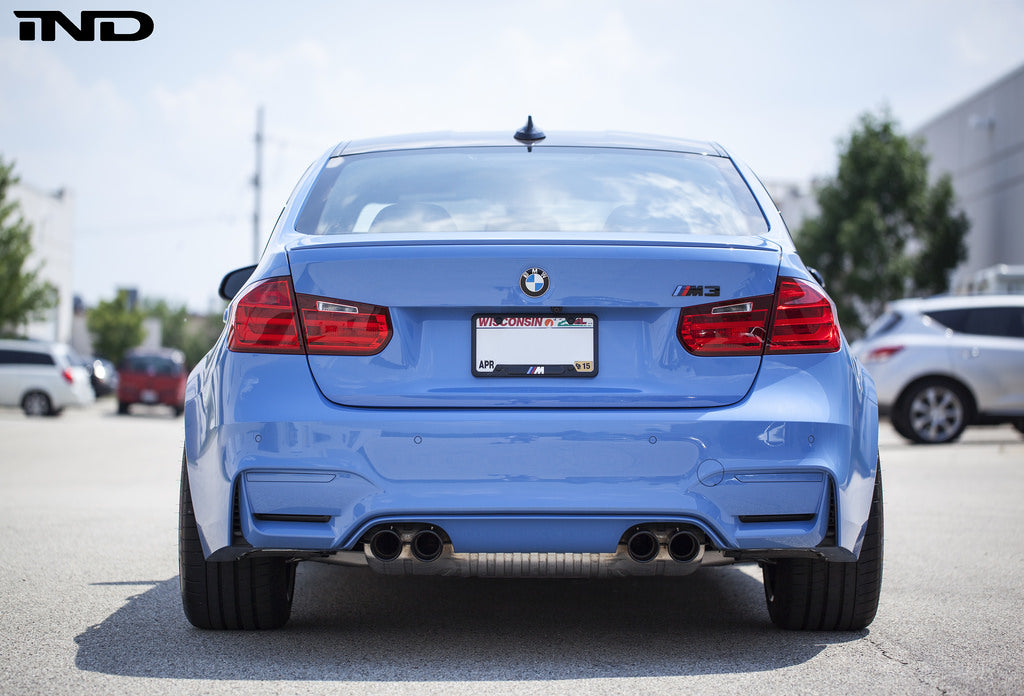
point(115, 327)
point(193, 335)
point(883, 231)
point(23, 295)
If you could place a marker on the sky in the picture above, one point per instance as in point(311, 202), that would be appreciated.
point(155, 139)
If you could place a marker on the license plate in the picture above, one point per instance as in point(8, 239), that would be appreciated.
point(149, 396)
point(527, 345)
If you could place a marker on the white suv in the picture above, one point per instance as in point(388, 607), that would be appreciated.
point(42, 377)
point(943, 363)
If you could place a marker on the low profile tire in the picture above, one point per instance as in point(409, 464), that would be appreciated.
point(932, 412)
point(37, 403)
point(818, 595)
point(247, 594)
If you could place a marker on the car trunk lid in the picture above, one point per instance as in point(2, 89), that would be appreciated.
point(624, 298)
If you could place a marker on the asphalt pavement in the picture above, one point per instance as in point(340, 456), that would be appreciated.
point(89, 594)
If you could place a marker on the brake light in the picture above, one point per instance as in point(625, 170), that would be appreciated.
point(264, 320)
point(737, 327)
point(882, 354)
point(804, 320)
point(796, 319)
point(339, 327)
point(68, 375)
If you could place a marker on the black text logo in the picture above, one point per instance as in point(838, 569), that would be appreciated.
point(85, 30)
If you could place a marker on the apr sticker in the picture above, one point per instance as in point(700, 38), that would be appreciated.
point(534, 282)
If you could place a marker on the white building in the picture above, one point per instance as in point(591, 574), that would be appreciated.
point(980, 143)
point(51, 214)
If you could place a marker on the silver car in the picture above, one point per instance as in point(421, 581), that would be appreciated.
point(943, 363)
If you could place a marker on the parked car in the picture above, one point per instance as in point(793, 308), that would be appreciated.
point(41, 377)
point(152, 376)
point(517, 355)
point(104, 376)
point(943, 363)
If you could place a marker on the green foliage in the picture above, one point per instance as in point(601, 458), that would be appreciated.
point(23, 295)
point(193, 335)
point(115, 327)
point(883, 232)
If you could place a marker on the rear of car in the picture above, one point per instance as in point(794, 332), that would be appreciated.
point(594, 356)
point(152, 377)
point(943, 363)
point(42, 378)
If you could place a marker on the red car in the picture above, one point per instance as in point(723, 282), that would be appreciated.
point(152, 376)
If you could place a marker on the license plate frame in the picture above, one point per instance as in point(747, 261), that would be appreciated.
point(534, 345)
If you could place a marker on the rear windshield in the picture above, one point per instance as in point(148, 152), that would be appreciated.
point(548, 189)
point(151, 365)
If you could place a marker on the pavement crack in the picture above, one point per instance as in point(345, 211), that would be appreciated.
point(887, 654)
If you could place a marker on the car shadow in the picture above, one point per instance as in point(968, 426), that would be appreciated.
point(350, 624)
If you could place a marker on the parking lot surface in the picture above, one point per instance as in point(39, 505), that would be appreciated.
point(89, 594)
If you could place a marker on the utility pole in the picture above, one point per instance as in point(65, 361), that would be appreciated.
point(257, 181)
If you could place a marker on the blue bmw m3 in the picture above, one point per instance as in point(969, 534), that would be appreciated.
point(518, 355)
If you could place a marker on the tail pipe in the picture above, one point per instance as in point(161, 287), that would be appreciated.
point(426, 545)
point(643, 546)
point(685, 546)
point(386, 545)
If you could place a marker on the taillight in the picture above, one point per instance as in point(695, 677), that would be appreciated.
point(797, 319)
point(68, 375)
point(737, 327)
point(882, 354)
point(804, 320)
point(339, 327)
point(266, 320)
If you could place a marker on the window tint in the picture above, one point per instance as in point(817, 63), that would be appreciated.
point(549, 189)
point(151, 364)
point(24, 357)
point(955, 319)
point(984, 321)
point(883, 324)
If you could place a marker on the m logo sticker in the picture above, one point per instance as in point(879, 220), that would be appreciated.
point(697, 291)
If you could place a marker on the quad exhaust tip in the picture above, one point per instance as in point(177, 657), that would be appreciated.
point(643, 546)
point(684, 546)
point(426, 545)
point(386, 545)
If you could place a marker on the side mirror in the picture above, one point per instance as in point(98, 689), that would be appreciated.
point(234, 281)
point(816, 275)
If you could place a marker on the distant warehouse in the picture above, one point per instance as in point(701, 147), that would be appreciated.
point(980, 142)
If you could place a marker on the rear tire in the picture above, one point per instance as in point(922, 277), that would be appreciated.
point(254, 593)
point(37, 403)
point(122, 408)
point(932, 412)
point(1019, 425)
point(819, 595)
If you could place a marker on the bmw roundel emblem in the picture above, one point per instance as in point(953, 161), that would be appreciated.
point(534, 282)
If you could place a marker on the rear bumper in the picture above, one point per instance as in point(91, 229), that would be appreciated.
point(285, 469)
